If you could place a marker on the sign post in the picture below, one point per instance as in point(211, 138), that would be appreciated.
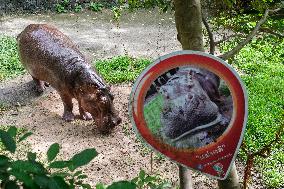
point(191, 107)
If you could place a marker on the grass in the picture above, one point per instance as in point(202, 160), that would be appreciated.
point(121, 69)
point(10, 65)
point(261, 63)
point(152, 114)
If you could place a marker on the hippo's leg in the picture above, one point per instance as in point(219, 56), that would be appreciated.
point(68, 107)
point(84, 115)
point(40, 85)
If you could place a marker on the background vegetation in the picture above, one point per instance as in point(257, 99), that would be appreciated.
point(9, 59)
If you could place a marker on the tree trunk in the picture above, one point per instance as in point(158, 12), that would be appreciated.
point(189, 24)
point(188, 19)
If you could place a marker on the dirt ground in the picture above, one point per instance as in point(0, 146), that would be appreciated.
point(121, 155)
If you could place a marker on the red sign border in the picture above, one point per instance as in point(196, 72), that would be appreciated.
point(211, 63)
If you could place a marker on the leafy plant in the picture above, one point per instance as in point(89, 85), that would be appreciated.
point(95, 6)
point(262, 68)
point(10, 65)
point(164, 5)
point(62, 6)
point(29, 173)
point(116, 13)
point(142, 181)
point(78, 8)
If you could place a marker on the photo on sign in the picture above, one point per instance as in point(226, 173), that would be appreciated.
point(188, 107)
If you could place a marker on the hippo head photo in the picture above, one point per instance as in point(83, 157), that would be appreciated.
point(190, 108)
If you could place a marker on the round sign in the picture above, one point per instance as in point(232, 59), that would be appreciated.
point(191, 107)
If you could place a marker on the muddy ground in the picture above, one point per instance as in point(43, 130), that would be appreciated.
point(121, 155)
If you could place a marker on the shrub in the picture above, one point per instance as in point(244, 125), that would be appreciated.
point(262, 70)
point(10, 65)
point(97, 7)
point(30, 173)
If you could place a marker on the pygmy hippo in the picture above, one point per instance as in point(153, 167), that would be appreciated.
point(192, 107)
point(51, 57)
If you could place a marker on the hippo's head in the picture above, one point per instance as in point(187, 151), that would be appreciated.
point(186, 107)
point(94, 97)
point(99, 103)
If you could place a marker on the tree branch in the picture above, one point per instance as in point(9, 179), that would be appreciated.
point(236, 49)
point(228, 37)
point(210, 34)
point(270, 31)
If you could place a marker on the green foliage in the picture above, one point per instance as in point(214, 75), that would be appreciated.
point(62, 6)
point(244, 23)
point(78, 8)
point(30, 173)
point(131, 5)
point(7, 140)
point(164, 5)
point(261, 66)
point(116, 13)
point(95, 6)
point(82, 158)
point(122, 185)
point(10, 65)
point(143, 180)
point(121, 69)
point(52, 152)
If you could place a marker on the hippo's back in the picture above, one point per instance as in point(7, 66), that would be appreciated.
point(46, 52)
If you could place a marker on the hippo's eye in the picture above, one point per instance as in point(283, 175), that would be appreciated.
point(104, 99)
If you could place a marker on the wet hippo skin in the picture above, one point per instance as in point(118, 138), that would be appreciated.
point(52, 58)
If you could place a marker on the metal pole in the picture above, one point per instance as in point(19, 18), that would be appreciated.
point(185, 178)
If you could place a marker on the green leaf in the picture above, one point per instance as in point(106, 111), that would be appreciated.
point(8, 141)
point(82, 176)
point(41, 180)
point(22, 176)
point(78, 173)
point(100, 186)
point(11, 185)
point(25, 136)
point(59, 164)
point(31, 156)
point(82, 158)
point(122, 185)
point(3, 160)
point(150, 179)
point(135, 180)
point(62, 174)
point(87, 186)
point(165, 185)
point(12, 131)
point(53, 151)
point(142, 174)
point(57, 183)
point(28, 167)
